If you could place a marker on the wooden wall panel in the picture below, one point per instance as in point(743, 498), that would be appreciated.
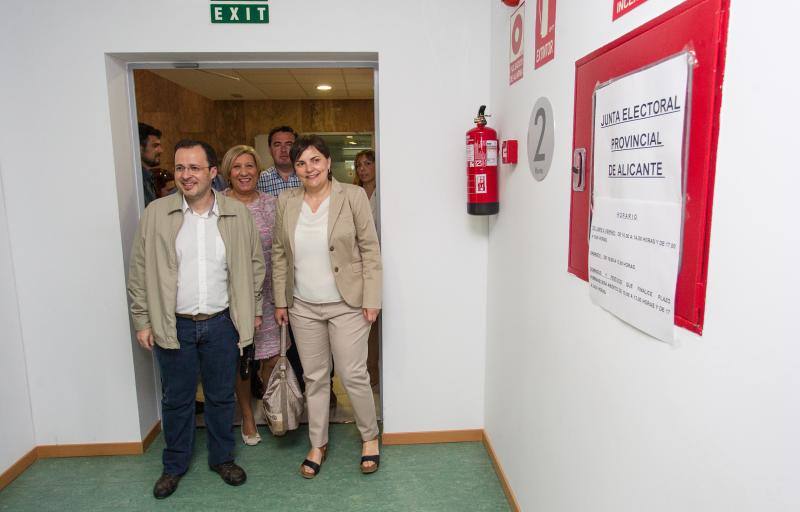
point(177, 112)
point(262, 116)
point(180, 113)
point(229, 123)
point(338, 116)
point(309, 116)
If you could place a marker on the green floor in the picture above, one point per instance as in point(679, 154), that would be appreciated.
point(436, 477)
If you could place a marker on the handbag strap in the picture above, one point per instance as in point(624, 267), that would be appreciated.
point(283, 381)
point(284, 400)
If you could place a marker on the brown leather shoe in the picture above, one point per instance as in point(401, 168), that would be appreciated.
point(165, 486)
point(231, 473)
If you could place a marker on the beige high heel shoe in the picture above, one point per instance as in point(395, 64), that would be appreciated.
point(251, 440)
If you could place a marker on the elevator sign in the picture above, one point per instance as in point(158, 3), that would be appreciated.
point(253, 12)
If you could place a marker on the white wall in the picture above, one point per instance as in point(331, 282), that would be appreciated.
point(68, 227)
point(17, 437)
point(585, 412)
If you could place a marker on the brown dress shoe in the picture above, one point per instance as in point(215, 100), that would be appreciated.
point(165, 486)
point(231, 473)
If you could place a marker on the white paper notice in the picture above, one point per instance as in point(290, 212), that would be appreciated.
point(637, 198)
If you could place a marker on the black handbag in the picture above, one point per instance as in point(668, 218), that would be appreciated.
point(246, 361)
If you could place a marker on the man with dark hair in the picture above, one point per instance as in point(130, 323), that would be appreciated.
point(150, 151)
point(280, 176)
point(196, 301)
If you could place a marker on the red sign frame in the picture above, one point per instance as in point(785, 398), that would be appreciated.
point(702, 27)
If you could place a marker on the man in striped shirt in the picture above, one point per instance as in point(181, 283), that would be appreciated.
point(280, 176)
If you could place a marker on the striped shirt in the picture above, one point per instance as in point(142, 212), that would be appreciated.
point(271, 182)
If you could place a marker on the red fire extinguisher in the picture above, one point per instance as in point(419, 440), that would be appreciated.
point(482, 168)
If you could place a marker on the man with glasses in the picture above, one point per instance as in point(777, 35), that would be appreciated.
point(195, 281)
point(280, 176)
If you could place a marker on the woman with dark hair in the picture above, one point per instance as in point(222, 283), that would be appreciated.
point(326, 275)
point(364, 164)
point(366, 177)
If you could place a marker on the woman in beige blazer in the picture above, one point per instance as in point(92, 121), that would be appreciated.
point(326, 278)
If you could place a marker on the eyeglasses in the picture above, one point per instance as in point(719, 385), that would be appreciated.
point(192, 169)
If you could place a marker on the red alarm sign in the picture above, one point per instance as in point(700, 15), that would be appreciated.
point(622, 7)
point(545, 32)
point(516, 47)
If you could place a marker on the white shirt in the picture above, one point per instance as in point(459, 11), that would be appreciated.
point(373, 207)
point(202, 269)
point(313, 277)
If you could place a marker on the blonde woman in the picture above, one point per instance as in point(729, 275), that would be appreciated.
point(241, 167)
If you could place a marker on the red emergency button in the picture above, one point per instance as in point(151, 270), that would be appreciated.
point(509, 152)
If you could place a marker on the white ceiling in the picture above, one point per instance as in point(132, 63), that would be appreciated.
point(274, 84)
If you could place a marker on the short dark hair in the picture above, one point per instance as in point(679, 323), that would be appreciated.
point(145, 131)
point(277, 129)
point(211, 155)
point(305, 142)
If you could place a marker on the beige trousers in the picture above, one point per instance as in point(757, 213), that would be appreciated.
point(322, 329)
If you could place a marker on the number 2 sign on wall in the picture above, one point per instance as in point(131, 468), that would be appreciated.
point(540, 138)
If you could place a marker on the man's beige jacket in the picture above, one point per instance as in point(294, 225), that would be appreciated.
point(153, 272)
point(352, 244)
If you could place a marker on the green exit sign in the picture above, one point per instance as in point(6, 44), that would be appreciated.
point(239, 13)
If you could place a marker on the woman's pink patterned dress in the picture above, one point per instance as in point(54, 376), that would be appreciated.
point(268, 337)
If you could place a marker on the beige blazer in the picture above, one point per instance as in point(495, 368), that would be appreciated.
point(353, 246)
point(153, 273)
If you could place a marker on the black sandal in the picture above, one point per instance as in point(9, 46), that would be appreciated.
point(370, 458)
point(313, 466)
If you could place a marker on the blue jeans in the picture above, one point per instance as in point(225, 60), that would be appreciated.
point(208, 348)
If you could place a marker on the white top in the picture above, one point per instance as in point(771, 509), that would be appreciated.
point(313, 277)
point(202, 269)
point(373, 207)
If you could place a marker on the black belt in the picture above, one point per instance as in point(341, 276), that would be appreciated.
point(201, 316)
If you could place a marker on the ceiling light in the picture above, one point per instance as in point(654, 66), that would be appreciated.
point(348, 136)
point(324, 87)
point(352, 142)
point(223, 75)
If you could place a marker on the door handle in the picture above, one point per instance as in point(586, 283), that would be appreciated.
point(579, 170)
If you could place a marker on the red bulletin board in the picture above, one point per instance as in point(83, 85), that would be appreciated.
point(700, 26)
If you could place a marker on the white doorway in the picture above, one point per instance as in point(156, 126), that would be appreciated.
point(217, 92)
